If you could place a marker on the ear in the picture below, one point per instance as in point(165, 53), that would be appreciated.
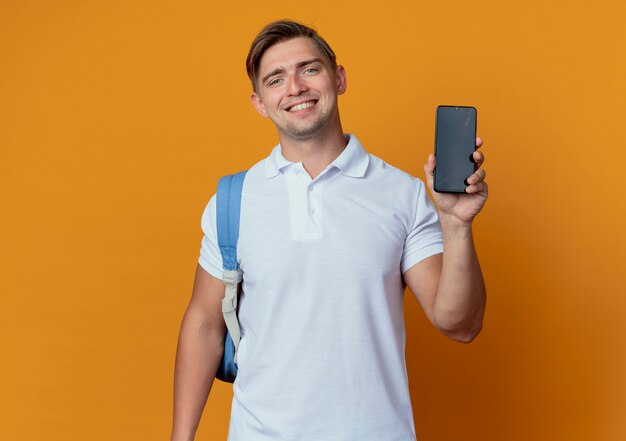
point(257, 102)
point(342, 80)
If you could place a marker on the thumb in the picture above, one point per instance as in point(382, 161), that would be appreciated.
point(429, 168)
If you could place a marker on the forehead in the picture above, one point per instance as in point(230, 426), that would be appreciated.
point(288, 53)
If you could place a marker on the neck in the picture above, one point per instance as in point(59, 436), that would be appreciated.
point(315, 153)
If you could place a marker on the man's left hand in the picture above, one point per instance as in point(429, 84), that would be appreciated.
point(460, 207)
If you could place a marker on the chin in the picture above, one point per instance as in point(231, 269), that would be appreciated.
point(306, 133)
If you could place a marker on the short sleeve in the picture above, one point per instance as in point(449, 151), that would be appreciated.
point(425, 238)
point(210, 257)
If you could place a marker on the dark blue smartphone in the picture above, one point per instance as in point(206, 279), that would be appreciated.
point(455, 142)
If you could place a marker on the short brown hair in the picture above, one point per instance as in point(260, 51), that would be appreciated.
point(277, 32)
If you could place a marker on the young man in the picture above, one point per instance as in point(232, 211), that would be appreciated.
point(329, 236)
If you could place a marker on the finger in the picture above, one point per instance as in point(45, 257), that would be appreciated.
point(476, 177)
point(480, 187)
point(479, 142)
point(478, 158)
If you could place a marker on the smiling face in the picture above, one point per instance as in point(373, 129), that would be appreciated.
point(297, 89)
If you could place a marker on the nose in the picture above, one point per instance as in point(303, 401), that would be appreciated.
point(296, 85)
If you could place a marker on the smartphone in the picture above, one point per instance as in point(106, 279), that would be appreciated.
point(455, 142)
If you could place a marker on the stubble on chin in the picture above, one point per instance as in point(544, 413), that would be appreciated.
point(308, 132)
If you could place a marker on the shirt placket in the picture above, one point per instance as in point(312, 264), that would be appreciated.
point(308, 208)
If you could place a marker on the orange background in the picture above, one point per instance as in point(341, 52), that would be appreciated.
point(118, 117)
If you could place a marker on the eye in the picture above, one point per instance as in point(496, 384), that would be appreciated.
point(311, 70)
point(274, 82)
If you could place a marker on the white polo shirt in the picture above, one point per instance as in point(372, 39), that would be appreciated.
point(321, 310)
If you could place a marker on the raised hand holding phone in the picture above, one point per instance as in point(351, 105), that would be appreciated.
point(457, 202)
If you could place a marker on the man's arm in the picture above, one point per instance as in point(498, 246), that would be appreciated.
point(450, 287)
point(200, 349)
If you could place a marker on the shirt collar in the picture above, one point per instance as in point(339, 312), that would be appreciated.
point(353, 161)
point(275, 162)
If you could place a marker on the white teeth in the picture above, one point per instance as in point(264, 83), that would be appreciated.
point(302, 106)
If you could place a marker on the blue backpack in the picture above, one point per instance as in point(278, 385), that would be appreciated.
point(228, 211)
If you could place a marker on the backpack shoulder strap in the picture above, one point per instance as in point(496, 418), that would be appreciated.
point(228, 211)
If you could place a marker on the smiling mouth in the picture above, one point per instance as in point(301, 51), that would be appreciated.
point(302, 106)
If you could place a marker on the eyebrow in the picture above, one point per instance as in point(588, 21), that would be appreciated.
point(280, 70)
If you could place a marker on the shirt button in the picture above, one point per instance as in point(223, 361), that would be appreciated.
point(311, 188)
point(295, 171)
point(312, 210)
